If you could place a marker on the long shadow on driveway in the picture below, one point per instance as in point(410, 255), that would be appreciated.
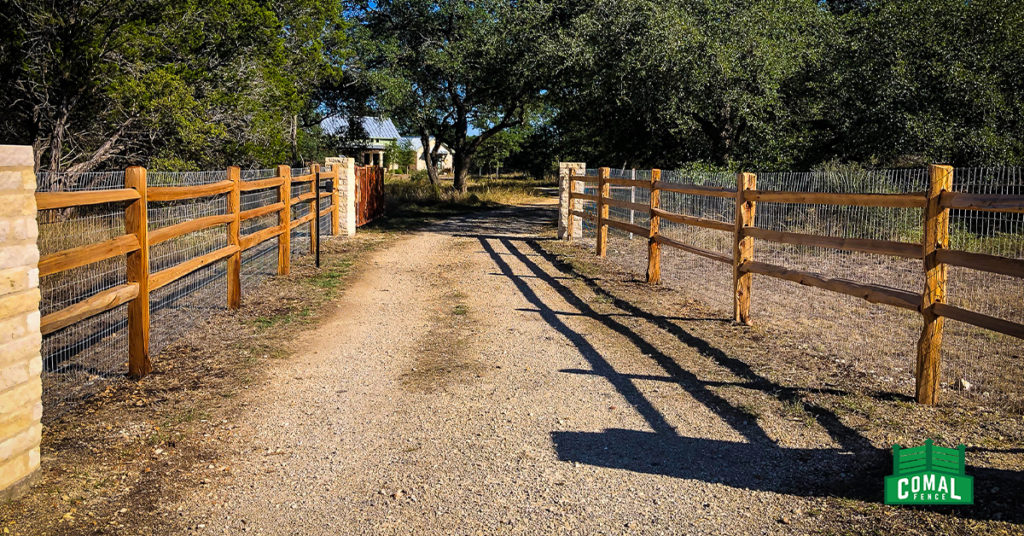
point(854, 470)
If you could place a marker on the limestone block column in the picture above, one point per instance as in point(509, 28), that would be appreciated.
point(578, 168)
point(347, 178)
point(20, 362)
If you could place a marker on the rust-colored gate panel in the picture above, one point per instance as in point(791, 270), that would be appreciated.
point(369, 194)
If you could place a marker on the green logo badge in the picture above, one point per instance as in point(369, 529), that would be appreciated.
point(928, 475)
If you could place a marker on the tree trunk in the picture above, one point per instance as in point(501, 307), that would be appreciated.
point(428, 159)
point(461, 162)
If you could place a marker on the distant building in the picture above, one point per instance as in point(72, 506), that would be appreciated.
point(368, 151)
point(444, 156)
point(381, 132)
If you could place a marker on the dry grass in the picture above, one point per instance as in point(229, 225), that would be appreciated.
point(868, 340)
point(109, 462)
point(444, 356)
point(410, 201)
point(789, 371)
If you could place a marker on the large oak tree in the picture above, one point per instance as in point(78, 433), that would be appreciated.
point(451, 69)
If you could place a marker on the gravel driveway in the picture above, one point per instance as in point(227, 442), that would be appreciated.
point(469, 386)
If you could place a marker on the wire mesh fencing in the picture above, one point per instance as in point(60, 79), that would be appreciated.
point(85, 357)
point(974, 353)
point(875, 340)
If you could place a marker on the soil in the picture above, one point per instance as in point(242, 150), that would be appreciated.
point(479, 377)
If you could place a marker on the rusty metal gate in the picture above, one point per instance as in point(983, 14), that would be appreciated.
point(369, 194)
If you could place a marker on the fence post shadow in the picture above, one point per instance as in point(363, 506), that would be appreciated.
point(855, 470)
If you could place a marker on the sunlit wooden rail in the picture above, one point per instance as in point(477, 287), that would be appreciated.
point(136, 243)
point(933, 250)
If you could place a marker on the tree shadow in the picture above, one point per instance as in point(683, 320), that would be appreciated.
point(854, 470)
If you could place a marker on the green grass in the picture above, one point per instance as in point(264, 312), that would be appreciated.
point(291, 317)
point(332, 278)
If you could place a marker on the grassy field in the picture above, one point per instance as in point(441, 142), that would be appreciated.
point(412, 201)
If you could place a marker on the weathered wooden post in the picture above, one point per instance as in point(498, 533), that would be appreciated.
point(936, 237)
point(234, 274)
point(603, 192)
point(284, 219)
point(136, 222)
point(743, 248)
point(653, 247)
point(314, 207)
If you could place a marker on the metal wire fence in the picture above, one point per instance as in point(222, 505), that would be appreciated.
point(875, 340)
point(85, 357)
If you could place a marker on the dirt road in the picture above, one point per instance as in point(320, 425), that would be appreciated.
point(468, 385)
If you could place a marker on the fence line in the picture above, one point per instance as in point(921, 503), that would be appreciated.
point(932, 246)
point(99, 278)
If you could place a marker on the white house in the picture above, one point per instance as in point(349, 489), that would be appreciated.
point(381, 132)
point(368, 151)
point(444, 156)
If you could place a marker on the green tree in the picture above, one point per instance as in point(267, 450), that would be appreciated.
point(691, 80)
point(930, 81)
point(400, 154)
point(440, 68)
point(93, 83)
point(499, 147)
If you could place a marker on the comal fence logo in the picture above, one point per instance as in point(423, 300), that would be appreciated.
point(928, 475)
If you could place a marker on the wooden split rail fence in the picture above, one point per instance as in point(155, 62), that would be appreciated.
point(933, 250)
point(138, 239)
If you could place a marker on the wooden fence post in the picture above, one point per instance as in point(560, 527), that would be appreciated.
point(234, 261)
point(653, 247)
point(603, 192)
point(284, 219)
point(335, 200)
point(936, 237)
point(136, 222)
point(314, 207)
point(743, 248)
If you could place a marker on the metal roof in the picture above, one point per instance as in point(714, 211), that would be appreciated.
point(375, 127)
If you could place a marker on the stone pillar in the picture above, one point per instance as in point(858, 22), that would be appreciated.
point(20, 362)
point(347, 178)
point(579, 168)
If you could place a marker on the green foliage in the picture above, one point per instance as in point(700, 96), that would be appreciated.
point(496, 149)
point(930, 81)
point(439, 68)
point(783, 84)
point(694, 80)
point(96, 84)
point(400, 154)
point(757, 84)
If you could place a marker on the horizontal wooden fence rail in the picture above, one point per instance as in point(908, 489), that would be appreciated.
point(178, 193)
point(985, 202)
point(933, 251)
point(52, 200)
point(139, 238)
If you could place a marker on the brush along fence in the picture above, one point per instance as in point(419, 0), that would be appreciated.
point(722, 219)
point(119, 247)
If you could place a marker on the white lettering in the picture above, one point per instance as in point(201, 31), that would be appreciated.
point(952, 490)
point(915, 483)
point(900, 492)
point(943, 485)
point(929, 482)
